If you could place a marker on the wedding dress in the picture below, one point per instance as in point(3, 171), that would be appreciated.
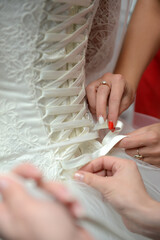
point(44, 118)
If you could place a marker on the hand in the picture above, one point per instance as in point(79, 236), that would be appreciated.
point(58, 190)
point(23, 217)
point(121, 185)
point(118, 95)
point(147, 141)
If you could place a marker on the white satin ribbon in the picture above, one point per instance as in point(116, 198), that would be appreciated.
point(109, 141)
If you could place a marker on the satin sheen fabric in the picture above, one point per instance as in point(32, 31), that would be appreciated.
point(42, 96)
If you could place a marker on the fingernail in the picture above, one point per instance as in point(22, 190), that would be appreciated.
point(101, 120)
point(3, 184)
point(79, 176)
point(110, 125)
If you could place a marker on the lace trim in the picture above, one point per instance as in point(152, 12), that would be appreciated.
point(102, 36)
point(17, 56)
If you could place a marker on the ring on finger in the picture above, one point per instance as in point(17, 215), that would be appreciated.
point(138, 155)
point(105, 84)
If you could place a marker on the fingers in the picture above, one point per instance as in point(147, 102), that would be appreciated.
point(101, 101)
point(114, 94)
point(149, 154)
point(93, 173)
point(100, 164)
point(117, 90)
point(92, 180)
point(102, 173)
point(142, 137)
point(58, 190)
point(98, 96)
point(62, 194)
point(91, 91)
point(28, 171)
point(150, 132)
point(139, 131)
point(135, 141)
point(142, 151)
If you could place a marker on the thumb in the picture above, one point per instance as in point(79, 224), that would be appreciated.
point(93, 180)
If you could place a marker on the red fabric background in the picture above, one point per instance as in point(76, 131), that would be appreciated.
point(148, 93)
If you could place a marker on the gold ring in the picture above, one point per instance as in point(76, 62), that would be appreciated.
point(138, 155)
point(105, 83)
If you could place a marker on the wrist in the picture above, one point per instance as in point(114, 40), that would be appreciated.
point(151, 214)
point(144, 218)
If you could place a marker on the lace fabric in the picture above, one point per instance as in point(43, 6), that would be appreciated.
point(60, 82)
point(102, 36)
point(43, 53)
point(17, 38)
point(106, 36)
point(44, 117)
point(20, 121)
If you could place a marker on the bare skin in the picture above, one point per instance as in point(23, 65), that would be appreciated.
point(141, 43)
point(23, 217)
point(121, 185)
point(147, 141)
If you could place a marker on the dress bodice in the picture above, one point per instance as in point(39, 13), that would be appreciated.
point(44, 116)
point(21, 126)
point(45, 119)
point(43, 112)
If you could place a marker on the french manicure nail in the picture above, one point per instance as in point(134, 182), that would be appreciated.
point(101, 120)
point(110, 125)
point(79, 176)
point(3, 184)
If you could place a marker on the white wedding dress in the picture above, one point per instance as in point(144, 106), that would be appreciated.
point(44, 118)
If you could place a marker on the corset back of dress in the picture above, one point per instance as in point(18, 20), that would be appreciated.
point(45, 119)
point(43, 112)
point(43, 47)
point(60, 83)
